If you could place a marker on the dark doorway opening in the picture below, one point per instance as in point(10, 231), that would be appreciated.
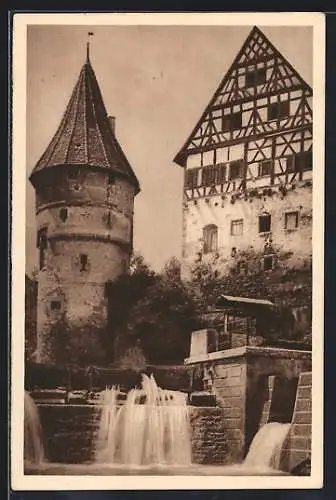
point(283, 400)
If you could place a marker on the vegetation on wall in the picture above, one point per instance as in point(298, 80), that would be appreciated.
point(154, 311)
point(30, 315)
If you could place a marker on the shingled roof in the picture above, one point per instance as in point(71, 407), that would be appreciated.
point(84, 136)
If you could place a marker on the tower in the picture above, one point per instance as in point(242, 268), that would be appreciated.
point(248, 168)
point(85, 189)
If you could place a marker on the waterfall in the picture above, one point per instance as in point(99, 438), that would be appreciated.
point(33, 438)
point(265, 449)
point(150, 428)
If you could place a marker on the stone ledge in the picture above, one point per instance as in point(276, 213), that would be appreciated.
point(247, 351)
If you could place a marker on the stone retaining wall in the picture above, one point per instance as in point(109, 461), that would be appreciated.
point(217, 433)
point(209, 436)
point(229, 388)
point(70, 432)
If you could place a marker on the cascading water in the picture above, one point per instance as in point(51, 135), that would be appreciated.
point(265, 449)
point(150, 428)
point(33, 438)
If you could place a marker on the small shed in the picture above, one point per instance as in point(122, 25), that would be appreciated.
point(240, 320)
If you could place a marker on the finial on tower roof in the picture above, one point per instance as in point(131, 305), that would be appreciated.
point(90, 33)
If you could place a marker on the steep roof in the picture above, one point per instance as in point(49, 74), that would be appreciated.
point(256, 48)
point(84, 136)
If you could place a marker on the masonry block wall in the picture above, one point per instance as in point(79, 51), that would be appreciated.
point(217, 433)
point(70, 432)
point(242, 390)
point(229, 388)
point(297, 447)
point(211, 442)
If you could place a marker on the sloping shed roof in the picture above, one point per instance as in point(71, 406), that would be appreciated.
point(231, 301)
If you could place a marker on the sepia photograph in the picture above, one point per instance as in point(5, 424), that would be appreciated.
point(167, 251)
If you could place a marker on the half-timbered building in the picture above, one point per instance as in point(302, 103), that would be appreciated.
point(248, 166)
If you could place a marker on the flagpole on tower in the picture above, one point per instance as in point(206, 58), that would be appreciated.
point(90, 33)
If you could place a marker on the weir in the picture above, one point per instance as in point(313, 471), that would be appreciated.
point(151, 427)
point(148, 432)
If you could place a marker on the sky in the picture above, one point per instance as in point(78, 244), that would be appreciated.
point(156, 81)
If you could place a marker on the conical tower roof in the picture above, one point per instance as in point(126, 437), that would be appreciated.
point(84, 136)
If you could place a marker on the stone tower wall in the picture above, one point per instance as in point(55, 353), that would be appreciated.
point(89, 218)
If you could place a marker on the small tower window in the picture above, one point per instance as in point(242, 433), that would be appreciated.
point(111, 178)
point(73, 173)
point(42, 243)
point(63, 213)
point(83, 261)
point(107, 219)
point(210, 237)
point(264, 223)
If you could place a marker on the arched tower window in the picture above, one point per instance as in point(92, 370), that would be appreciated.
point(210, 238)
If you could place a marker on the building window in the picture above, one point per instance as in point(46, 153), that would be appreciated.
point(42, 243)
point(55, 305)
point(213, 175)
point(83, 260)
point(291, 220)
point(255, 77)
point(265, 168)
point(236, 170)
point(299, 162)
point(73, 173)
point(304, 161)
point(63, 214)
point(242, 267)
point(191, 178)
point(208, 176)
point(264, 223)
point(236, 227)
point(278, 110)
point(232, 122)
point(268, 262)
point(210, 238)
point(220, 170)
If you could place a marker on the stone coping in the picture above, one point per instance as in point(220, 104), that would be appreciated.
point(246, 351)
point(98, 406)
